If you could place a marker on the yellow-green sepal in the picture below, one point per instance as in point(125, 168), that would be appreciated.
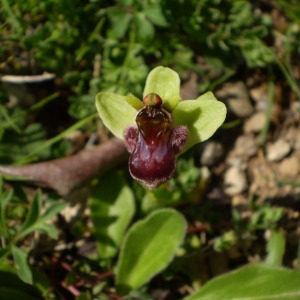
point(202, 116)
point(116, 112)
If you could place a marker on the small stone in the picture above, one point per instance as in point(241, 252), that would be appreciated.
point(259, 93)
point(297, 140)
point(212, 153)
point(255, 123)
point(278, 150)
point(289, 167)
point(246, 145)
point(239, 200)
point(235, 94)
point(235, 181)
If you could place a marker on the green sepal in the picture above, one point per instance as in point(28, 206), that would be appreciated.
point(165, 83)
point(116, 112)
point(202, 116)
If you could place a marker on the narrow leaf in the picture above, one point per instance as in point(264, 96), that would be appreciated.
point(166, 83)
point(148, 248)
point(275, 248)
point(202, 116)
point(21, 262)
point(4, 252)
point(252, 282)
point(52, 211)
point(115, 112)
point(112, 207)
point(41, 225)
point(34, 210)
point(4, 199)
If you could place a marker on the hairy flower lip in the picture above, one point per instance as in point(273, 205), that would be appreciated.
point(152, 159)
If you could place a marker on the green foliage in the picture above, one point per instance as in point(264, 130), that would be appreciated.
point(255, 281)
point(17, 136)
point(110, 46)
point(112, 211)
point(148, 247)
point(26, 221)
point(12, 287)
point(122, 40)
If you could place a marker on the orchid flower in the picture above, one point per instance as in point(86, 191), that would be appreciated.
point(161, 127)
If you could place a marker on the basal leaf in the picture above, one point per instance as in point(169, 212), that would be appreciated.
point(252, 282)
point(115, 112)
point(14, 293)
point(10, 282)
point(148, 248)
point(202, 116)
point(166, 83)
point(112, 207)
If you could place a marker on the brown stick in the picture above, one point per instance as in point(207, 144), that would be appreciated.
point(66, 174)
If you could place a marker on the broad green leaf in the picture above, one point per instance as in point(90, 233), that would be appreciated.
point(9, 281)
point(115, 112)
point(112, 207)
point(21, 262)
point(14, 293)
point(166, 83)
point(252, 282)
point(275, 248)
point(148, 248)
point(202, 116)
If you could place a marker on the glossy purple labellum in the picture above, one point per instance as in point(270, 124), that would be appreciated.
point(153, 143)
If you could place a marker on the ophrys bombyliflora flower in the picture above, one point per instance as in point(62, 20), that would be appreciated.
point(161, 127)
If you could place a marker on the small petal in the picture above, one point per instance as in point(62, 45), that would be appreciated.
point(202, 116)
point(178, 138)
point(166, 83)
point(134, 101)
point(130, 137)
point(116, 112)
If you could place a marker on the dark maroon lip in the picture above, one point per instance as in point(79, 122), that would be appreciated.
point(153, 143)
